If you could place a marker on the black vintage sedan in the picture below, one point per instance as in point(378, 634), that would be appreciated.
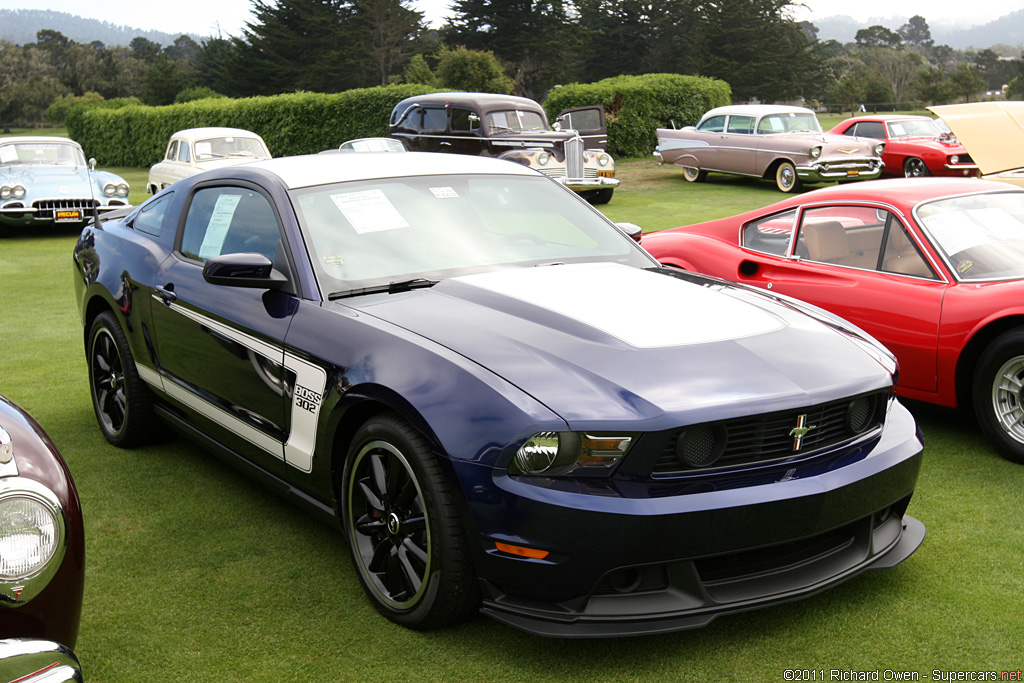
point(469, 370)
point(42, 554)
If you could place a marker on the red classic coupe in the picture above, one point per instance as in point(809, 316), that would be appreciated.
point(933, 268)
point(915, 146)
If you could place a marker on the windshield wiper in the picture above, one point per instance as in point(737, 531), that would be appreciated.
point(390, 288)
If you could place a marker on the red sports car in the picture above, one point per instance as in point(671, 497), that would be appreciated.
point(933, 268)
point(915, 146)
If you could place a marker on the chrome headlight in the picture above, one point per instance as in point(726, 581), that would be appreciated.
point(879, 148)
point(561, 453)
point(815, 152)
point(19, 192)
point(955, 159)
point(110, 189)
point(32, 538)
point(6, 192)
point(122, 189)
point(543, 158)
point(604, 160)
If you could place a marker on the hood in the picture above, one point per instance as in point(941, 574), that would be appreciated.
point(211, 164)
point(42, 173)
point(991, 132)
point(843, 145)
point(535, 137)
point(602, 343)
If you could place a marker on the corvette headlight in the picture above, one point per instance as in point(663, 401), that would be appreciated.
point(6, 192)
point(19, 191)
point(543, 158)
point(879, 148)
point(122, 189)
point(29, 536)
point(561, 453)
point(110, 189)
point(815, 152)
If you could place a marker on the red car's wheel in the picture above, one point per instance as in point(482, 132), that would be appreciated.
point(999, 394)
point(915, 168)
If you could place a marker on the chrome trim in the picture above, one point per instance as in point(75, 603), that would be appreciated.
point(38, 661)
point(8, 466)
point(20, 590)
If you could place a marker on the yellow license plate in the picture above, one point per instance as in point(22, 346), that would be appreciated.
point(852, 173)
point(68, 215)
point(606, 174)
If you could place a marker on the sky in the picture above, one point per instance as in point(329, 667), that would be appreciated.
point(227, 17)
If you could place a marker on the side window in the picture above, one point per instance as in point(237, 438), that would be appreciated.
point(741, 124)
point(716, 124)
point(902, 256)
point(150, 218)
point(770, 235)
point(464, 120)
point(843, 235)
point(229, 220)
point(871, 129)
point(172, 151)
point(183, 154)
point(583, 119)
point(434, 120)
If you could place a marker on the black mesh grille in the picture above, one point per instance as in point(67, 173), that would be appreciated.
point(772, 436)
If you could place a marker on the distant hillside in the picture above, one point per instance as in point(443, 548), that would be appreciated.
point(1008, 30)
point(20, 26)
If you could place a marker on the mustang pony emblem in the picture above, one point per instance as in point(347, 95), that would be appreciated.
point(800, 431)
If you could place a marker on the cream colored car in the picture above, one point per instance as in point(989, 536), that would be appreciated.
point(201, 149)
point(992, 133)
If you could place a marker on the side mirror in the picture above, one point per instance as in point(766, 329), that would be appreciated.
point(243, 270)
point(92, 164)
point(632, 230)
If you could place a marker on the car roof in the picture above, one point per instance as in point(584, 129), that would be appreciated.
point(214, 132)
point(755, 110)
point(886, 117)
point(322, 169)
point(902, 190)
point(38, 138)
point(487, 100)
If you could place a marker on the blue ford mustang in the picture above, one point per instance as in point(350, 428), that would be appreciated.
point(503, 402)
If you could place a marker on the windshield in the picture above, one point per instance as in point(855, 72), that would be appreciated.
point(789, 122)
point(515, 120)
point(913, 128)
point(220, 148)
point(381, 231)
point(48, 153)
point(980, 236)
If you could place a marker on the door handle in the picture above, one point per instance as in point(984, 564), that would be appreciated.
point(167, 293)
point(446, 144)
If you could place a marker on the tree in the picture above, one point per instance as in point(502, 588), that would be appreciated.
point(916, 32)
point(418, 71)
point(965, 82)
point(27, 83)
point(877, 36)
point(898, 68)
point(144, 49)
point(390, 30)
point(932, 87)
point(1015, 89)
point(472, 71)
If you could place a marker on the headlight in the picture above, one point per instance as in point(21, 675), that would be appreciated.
point(29, 535)
point(561, 453)
point(604, 160)
point(110, 189)
point(122, 189)
point(815, 152)
point(19, 191)
point(879, 148)
point(543, 158)
point(955, 159)
point(6, 192)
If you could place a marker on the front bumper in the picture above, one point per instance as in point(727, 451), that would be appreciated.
point(584, 184)
point(37, 661)
point(827, 170)
point(58, 211)
point(648, 564)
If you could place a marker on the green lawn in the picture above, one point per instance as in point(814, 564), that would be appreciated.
point(196, 574)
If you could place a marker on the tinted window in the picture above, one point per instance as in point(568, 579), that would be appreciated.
point(870, 129)
point(150, 218)
point(465, 120)
point(229, 220)
point(434, 120)
point(716, 124)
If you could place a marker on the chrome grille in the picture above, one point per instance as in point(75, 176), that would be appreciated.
point(574, 158)
point(44, 208)
point(559, 172)
point(763, 438)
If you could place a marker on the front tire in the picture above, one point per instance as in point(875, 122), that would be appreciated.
point(915, 168)
point(786, 178)
point(123, 404)
point(602, 196)
point(403, 528)
point(999, 394)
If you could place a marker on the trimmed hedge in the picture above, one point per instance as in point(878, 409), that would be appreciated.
point(635, 106)
point(297, 123)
